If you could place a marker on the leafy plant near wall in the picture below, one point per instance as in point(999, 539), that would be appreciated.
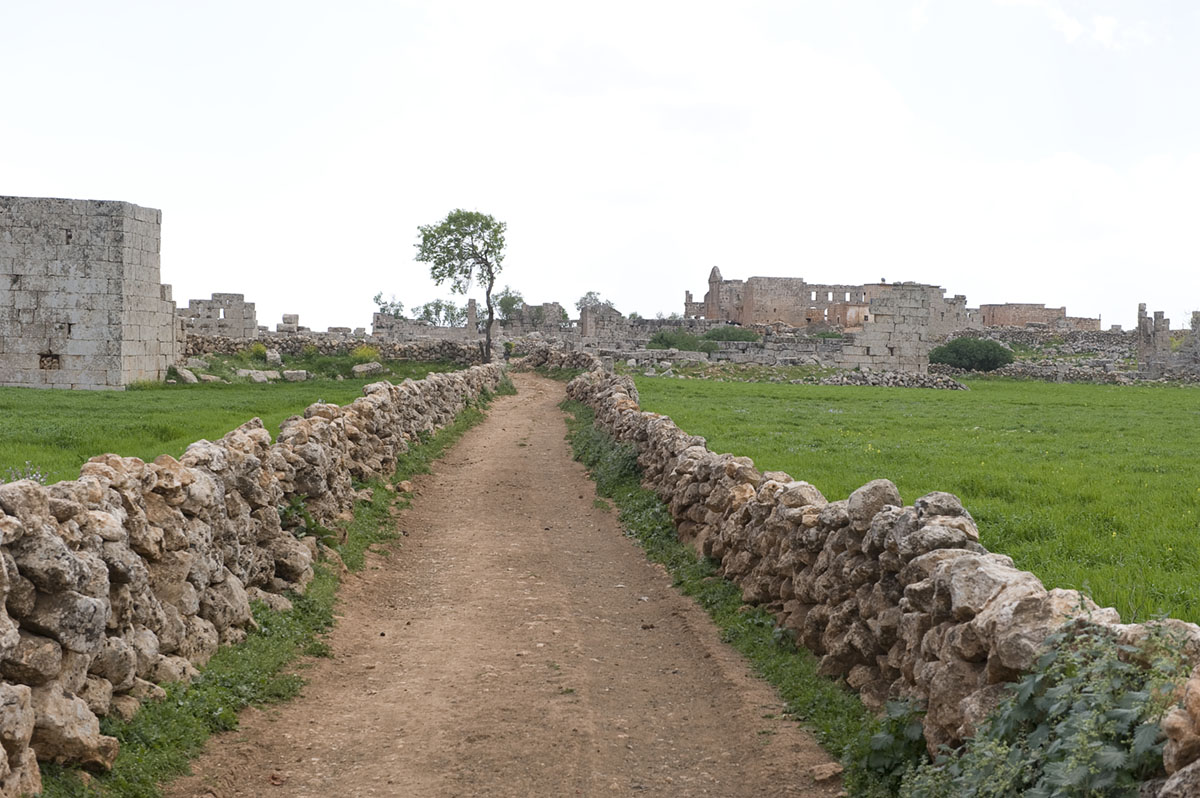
point(685, 342)
point(974, 354)
point(364, 353)
point(1084, 723)
point(731, 333)
point(295, 517)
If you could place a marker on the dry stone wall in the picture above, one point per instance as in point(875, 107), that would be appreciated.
point(134, 573)
point(326, 344)
point(900, 600)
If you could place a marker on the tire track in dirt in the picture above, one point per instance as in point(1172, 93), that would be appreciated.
point(516, 643)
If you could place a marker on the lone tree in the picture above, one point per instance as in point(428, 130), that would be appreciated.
point(466, 245)
point(592, 299)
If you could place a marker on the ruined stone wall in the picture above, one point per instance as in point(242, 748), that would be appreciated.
point(793, 301)
point(134, 573)
point(223, 314)
point(391, 328)
point(430, 350)
point(81, 302)
point(900, 600)
point(1015, 314)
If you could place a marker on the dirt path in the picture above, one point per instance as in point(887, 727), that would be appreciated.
point(517, 644)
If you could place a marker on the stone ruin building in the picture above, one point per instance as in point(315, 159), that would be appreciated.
point(223, 314)
point(81, 300)
point(1156, 354)
point(1015, 314)
point(794, 302)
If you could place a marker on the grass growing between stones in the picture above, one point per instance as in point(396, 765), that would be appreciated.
point(162, 738)
point(58, 431)
point(1092, 487)
point(836, 716)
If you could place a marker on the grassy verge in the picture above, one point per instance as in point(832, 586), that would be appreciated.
point(57, 431)
point(1091, 487)
point(161, 739)
point(836, 716)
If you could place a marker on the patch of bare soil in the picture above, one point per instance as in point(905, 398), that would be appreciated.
point(516, 643)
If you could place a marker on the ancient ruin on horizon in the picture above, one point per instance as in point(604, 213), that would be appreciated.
point(795, 302)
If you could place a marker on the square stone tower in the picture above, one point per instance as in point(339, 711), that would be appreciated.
point(81, 301)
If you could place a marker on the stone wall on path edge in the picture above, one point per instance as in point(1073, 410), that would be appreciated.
point(900, 601)
point(134, 573)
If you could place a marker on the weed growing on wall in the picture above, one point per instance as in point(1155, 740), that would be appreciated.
point(1084, 723)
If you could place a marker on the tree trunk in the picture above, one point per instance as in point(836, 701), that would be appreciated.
point(487, 333)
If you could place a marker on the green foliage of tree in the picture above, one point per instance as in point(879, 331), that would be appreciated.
point(389, 307)
point(465, 246)
point(973, 354)
point(441, 313)
point(731, 333)
point(592, 299)
point(634, 315)
point(509, 303)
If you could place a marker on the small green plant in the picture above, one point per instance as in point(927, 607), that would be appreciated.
point(828, 334)
point(364, 353)
point(257, 351)
point(295, 517)
point(309, 350)
point(973, 354)
point(888, 747)
point(731, 333)
point(1084, 723)
point(676, 339)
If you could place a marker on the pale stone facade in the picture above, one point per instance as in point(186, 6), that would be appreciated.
point(81, 301)
point(223, 314)
point(1016, 314)
point(798, 303)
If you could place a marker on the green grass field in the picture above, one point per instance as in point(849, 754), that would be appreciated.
point(1088, 486)
point(57, 431)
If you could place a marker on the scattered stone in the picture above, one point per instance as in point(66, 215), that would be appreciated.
point(295, 375)
point(367, 369)
point(186, 375)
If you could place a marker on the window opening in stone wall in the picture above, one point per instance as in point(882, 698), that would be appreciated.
point(814, 297)
point(221, 313)
point(48, 361)
point(847, 296)
point(67, 236)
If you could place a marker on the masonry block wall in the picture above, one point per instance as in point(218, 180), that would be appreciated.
point(81, 300)
point(223, 314)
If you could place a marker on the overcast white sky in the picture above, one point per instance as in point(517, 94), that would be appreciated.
point(1009, 150)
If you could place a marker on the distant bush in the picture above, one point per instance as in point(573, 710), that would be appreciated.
point(257, 351)
point(828, 334)
point(675, 339)
point(731, 333)
point(973, 354)
point(364, 353)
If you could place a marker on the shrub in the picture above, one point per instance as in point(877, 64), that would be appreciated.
point(731, 333)
point(973, 354)
point(829, 334)
point(257, 351)
point(1084, 723)
point(677, 339)
point(364, 353)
